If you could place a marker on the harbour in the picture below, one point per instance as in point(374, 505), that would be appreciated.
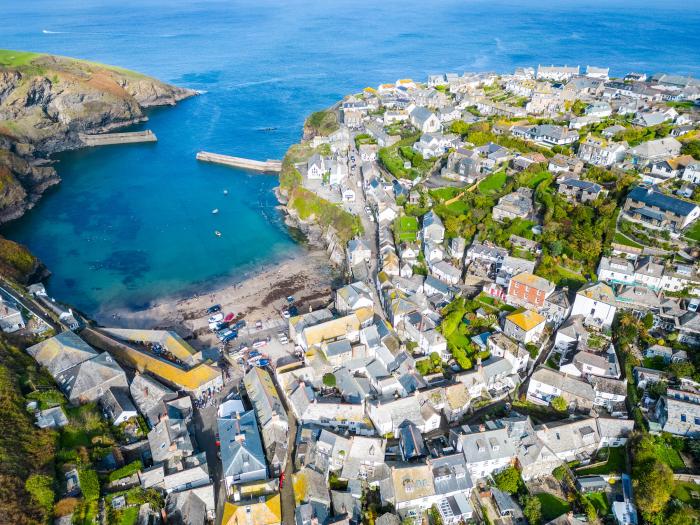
point(267, 166)
point(110, 139)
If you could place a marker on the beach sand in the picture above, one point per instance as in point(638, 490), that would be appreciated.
point(262, 296)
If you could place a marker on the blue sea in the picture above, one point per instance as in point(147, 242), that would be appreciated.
point(131, 224)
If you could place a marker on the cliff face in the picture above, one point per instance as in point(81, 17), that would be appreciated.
point(46, 101)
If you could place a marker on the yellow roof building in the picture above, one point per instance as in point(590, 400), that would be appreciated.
point(333, 329)
point(193, 379)
point(526, 319)
point(255, 512)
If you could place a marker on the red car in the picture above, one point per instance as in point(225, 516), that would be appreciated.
point(229, 317)
point(281, 480)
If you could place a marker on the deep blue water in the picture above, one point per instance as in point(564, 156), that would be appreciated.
point(129, 224)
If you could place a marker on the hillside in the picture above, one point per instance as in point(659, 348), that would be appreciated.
point(45, 102)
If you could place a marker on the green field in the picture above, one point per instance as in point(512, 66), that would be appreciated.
point(492, 183)
point(693, 232)
point(552, 507)
point(406, 228)
point(600, 502)
point(616, 462)
point(619, 238)
point(684, 492)
point(11, 58)
point(669, 455)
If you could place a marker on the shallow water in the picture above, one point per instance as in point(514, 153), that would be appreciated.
point(129, 224)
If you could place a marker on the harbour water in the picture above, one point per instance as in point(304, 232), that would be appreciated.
point(132, 223)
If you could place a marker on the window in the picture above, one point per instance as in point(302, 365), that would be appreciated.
point(683, 418)
point(697, 420)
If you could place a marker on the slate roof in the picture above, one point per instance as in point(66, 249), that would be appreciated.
point(241, 446)
point(564, 383)
point(99, 371)
point(61, 352)
point(663, 202)
point(149, 396)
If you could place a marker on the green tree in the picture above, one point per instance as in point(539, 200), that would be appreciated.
point(653, 479)
point(329, 380)
point(559, 404)
point(648, 321)
point(509, 480)
point(533, 510)
point(679, 370)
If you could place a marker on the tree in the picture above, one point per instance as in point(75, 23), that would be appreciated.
point(329, 380)
point(679, 370)
point(648, 321)
point(532, 510)
point(509, 480)
point(653, 479)
point(559, 404)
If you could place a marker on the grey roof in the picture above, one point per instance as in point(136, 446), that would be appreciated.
point(61, 352)
point(241, 446)
point(186, 508)
point(412, 443)
point(95, 373)
point(662, 201)
point(149, 396)
point(338, 348)
point(169, 438)
point(450, 474)
point(565, 383)
point(487, 446)
point(116, 401)
point(582, 184)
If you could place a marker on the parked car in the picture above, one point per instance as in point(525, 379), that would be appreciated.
point(214, 309)
point(239, 324)
point(258, 324)
point(216, 318)
point(285, 314)
point(259, 344)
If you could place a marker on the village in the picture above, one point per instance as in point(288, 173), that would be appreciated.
point(515, 341)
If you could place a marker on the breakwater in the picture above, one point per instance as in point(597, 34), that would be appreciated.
point(272, 166)
point(108, 139)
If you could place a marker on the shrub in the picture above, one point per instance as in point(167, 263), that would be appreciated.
point(89, 484)
point(329, 380)
point(559, 404)
point(126, 470)
point(509, 480)
point(65, 507)
point(41, 489)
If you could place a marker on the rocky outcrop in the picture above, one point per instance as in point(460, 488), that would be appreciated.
point(47, 101)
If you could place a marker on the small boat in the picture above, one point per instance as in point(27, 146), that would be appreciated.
point(215, 211)
point(225, 192)
point(217, 233)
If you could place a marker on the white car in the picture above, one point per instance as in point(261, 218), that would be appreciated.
point(259, 344)
point(284, 340)
point(216, 318)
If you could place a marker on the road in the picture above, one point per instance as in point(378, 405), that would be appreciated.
point(29, 304)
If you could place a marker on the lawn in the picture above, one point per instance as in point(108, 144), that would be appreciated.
point(619, 238)
point(552, 507)
point(600, 502)
point(492, 183)
point(129, 516)
point(10, 58)
point(395, 156)
point(615, 463)
point(406, 228)
point(684, 492)
point(444, 194)
point(694, 232)
point(669, 455)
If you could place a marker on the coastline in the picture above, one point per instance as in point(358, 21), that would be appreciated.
point(259, 295)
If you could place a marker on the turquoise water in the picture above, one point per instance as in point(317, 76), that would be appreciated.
point(130, 224)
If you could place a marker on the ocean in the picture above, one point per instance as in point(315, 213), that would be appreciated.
point(131, 224)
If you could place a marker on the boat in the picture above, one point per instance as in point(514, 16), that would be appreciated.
point(217, 233)
point(215, 211)
point(225, 192)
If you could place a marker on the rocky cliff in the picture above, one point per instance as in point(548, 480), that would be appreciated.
point(46, 101)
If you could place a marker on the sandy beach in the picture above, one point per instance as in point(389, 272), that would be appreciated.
point(307, 277)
